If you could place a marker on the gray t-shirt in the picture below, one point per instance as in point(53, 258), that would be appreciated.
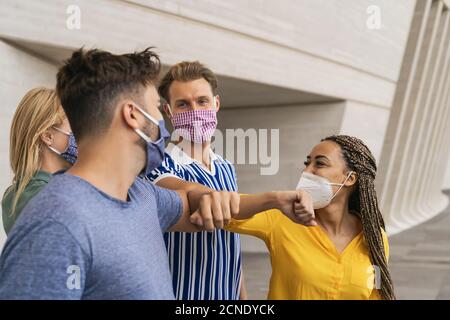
point(73, 241)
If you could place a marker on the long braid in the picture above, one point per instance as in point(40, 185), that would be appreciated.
point(363, 202)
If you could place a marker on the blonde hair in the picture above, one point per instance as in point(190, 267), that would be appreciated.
point(38, 111)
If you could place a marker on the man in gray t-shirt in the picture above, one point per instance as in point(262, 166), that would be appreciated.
point(84, 244)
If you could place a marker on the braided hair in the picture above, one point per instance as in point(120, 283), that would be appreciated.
point(363, 202)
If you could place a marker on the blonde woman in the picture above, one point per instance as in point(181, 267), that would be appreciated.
point(41, 143)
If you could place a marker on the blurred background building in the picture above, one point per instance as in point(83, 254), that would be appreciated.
point(376, 69)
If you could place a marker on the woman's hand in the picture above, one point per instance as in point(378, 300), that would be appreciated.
point(298, 206)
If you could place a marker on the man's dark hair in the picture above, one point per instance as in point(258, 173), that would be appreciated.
point(90, 82)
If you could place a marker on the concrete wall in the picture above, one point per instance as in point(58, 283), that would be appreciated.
point(20, 72)
point(446, 184)
point(367, 122)
point(416, 149)
point(323, 47)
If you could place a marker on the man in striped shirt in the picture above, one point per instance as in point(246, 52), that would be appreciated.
point(204, 265)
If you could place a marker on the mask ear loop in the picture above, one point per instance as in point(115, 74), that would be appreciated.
point(169, 108)
point(63, 132)
point(151, 119)
point(340, 184)
point(146, 115)
point(54, 150)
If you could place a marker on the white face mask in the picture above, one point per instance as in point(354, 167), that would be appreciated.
point(319, 188)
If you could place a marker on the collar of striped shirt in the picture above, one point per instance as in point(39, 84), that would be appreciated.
point(177, 154)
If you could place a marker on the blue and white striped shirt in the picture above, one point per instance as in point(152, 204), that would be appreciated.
point(204, 265)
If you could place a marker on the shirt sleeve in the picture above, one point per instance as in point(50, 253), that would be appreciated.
point(168, 168)
point(170, 207)
point(260, 225)
point(44, 262)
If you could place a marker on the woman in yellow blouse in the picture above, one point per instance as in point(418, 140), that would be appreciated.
point(341, 252)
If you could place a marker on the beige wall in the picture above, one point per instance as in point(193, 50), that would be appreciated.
point(20, 72)
point(366, 122)
point(340, 34)
point(446, 184)
point(416, 149)
point(322, 47)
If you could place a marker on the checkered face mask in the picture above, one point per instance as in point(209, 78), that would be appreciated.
point(195, 125)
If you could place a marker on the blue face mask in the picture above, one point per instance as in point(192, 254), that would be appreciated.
point(71, 152)
point(155, 149)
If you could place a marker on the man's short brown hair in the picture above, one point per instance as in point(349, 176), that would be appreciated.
point(90, 82)
point(186, 71)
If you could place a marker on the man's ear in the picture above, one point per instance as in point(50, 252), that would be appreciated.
point(47, 137)
point(351, 181)
point(217, 99)
point(129, 114)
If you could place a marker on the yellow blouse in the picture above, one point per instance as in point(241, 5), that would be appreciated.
point(305, 262)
